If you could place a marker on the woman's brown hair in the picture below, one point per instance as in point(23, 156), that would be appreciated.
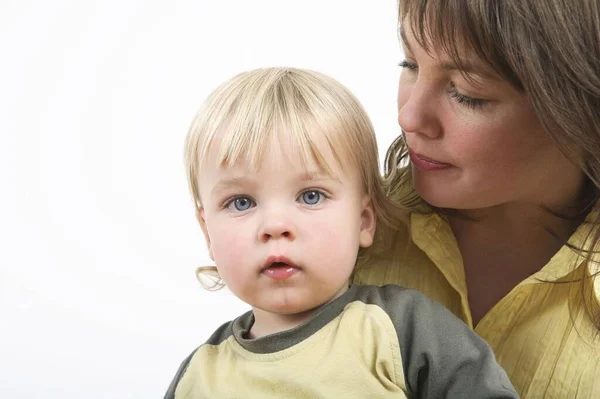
point(548, 49)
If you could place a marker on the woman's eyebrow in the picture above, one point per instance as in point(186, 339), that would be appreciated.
point(467, 66)
point(404, 39)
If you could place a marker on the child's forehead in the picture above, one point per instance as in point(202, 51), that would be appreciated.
point(242, 173)
point(300, 171)
point(279, 149)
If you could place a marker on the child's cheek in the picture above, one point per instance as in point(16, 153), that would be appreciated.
point(334, 234)
point(225, 241)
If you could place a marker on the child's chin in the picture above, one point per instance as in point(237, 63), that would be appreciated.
point(289, 308)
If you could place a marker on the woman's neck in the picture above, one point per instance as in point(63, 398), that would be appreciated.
point(503, 245)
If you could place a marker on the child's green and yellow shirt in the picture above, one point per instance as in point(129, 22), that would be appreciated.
point(371, 342)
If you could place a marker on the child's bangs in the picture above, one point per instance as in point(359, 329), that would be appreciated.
point(462, 29)
point(288, 109)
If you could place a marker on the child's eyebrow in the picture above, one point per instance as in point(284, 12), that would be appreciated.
point(316, 176)
point(248, 183)
point(226, 184)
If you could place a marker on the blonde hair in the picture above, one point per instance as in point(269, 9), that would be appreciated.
point(547, 49)
point(246, 111)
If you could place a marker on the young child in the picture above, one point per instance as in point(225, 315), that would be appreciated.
point(282, 164)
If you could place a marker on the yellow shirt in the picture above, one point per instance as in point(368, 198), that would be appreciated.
point(539, 331)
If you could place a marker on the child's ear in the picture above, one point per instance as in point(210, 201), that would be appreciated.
point(368, 223)
point(200, 217)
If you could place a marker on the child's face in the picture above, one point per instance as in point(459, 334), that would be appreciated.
point(282, 241)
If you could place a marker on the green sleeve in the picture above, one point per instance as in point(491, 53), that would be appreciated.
point(180, 372)
point(442, 357)
point(216, 338)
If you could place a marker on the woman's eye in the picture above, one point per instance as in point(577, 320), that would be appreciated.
point(411, 66)
point(312, 197)
point(240, 204)
point(469, 102)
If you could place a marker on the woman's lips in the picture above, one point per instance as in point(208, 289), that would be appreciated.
point(427, 164)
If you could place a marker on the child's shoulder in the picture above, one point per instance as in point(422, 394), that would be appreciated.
point(220, 335)
point(397, 297)
point(437, 348)
point(409, 309)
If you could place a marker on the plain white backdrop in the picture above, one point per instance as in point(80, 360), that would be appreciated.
point(98, 241)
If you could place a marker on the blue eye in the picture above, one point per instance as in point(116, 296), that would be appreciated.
point(312, 197)
point(240, 204)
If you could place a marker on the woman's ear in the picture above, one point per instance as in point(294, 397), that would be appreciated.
point(202, 221)
point(368, 223)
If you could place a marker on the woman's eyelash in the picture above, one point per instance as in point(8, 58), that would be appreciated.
point(408, 65)
point(469, 102)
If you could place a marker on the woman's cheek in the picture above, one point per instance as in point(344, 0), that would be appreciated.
point(403, 93)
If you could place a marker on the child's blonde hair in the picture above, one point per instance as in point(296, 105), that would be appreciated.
point(303, 105)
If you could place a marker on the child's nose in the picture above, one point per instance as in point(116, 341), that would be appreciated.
point(276, 227)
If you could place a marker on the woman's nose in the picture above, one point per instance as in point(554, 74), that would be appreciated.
point(418, 109)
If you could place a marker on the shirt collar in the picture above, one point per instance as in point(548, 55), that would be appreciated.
point(433, 235)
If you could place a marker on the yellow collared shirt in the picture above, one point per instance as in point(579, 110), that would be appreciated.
point(539, 331)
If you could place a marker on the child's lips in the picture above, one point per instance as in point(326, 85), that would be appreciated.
point(278, 260)
point(280, 271)
point(279, 267)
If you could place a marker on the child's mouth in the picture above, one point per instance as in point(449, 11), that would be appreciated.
point(279, 270)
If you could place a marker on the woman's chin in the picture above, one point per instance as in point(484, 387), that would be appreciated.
point(439, 198)
point(453, 200)
point(446, 193)
point(434, 195)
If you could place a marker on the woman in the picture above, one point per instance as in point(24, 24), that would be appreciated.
point(499, 105)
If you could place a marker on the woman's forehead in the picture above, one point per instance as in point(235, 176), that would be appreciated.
point(460, 57)
point(471, 36)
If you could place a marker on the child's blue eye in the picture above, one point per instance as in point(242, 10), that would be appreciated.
point(240, 204)
point(312, 197)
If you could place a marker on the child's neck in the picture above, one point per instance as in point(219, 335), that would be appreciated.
point(267, 323)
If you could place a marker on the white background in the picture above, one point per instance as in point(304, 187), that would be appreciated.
point(98, 241)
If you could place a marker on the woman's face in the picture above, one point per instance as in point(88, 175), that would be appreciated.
point(476, 144)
